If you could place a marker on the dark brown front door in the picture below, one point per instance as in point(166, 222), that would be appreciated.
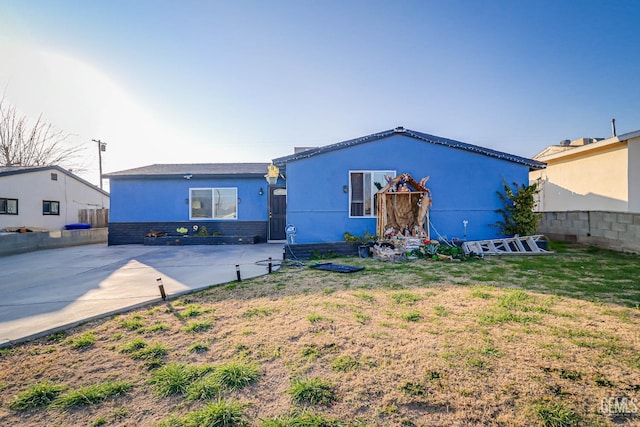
point(277, 212)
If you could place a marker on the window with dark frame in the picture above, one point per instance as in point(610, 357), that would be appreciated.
point(50, 207)
point(54, 176)
point(8, 206)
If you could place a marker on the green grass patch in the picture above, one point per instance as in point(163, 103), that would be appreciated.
point(205, 388)
point(440, 310)
point(215, 414)
point(174, 379)
point(312, 391)
point(405, 298)
point(92, 394)
point(198, 326)
point(36, 395)
point(257, 312)
point(132, 323)
point(364, 296)
point(556, 415)
point(362, 318)
point(315, 318)
point(345, 364)
point(304, 419)
point(412, 316)
point(414, 389)
point(198, 348)
point(236, 375)
point(83, 341)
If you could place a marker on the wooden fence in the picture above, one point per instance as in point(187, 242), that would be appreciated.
point(98, 218)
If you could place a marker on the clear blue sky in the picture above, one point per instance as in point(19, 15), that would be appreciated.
point(216, 81)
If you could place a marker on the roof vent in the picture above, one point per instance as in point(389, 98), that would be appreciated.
point(399, 129)
point(565, 142)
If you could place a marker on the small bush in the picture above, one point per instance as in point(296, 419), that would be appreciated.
point(92, 394)
point(37, 395)
point(313, 391)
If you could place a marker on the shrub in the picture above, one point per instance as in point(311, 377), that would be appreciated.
point(517, 212)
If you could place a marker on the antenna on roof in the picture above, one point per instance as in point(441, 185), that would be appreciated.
point(613, 127)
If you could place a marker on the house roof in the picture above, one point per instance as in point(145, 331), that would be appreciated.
point(193, 170)
point(533, 164)
point(554, 152)
point(16, 170)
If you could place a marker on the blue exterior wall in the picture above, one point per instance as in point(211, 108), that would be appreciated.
point(463, 185)
point(163, 199)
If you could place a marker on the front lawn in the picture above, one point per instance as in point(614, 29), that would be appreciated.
point(527, 340)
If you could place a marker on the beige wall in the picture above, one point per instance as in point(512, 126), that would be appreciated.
point(587, 178)
point(634, 175)
point(32, 188)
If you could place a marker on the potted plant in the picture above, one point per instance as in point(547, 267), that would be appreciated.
point(364, 242)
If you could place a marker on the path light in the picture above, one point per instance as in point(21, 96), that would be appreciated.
point(161, 287)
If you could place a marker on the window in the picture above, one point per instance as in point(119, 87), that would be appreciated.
point(363, 188)
point(50, 207)
point(8, 206)
point(213, 203)
point(54, 176)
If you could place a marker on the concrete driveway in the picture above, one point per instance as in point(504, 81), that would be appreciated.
point(49, 290)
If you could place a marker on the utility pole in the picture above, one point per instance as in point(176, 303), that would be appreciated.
point(102, 146)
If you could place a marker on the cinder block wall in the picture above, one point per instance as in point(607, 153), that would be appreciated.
point(613, 230)
point(15, 243)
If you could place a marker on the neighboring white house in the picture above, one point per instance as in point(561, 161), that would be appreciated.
point(590, 174)
point(45, 197)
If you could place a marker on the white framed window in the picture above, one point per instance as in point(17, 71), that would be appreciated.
point(8, 206)
point(213, 203)
point(363, 186)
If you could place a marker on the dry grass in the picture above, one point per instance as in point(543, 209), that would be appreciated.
point(417, 343)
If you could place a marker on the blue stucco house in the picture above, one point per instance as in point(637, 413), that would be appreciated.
point(228, 199)
point(320, 192)
point(331, 189)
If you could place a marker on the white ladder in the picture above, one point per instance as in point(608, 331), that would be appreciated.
point(526, 245)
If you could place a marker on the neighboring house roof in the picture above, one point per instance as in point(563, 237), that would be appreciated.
point(533, 164)
point(554, 152)
point(16, 170)
point(193, 170)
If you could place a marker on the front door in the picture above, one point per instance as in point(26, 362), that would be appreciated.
point(277, 212)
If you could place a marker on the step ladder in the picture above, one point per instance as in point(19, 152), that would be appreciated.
point(516, 245)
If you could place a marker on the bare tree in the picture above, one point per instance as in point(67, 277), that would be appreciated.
point(26, 142)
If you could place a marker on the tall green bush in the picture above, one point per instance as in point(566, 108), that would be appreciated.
point(518, 216)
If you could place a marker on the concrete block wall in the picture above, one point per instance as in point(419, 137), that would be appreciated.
point(613, 230)
point(15, 243)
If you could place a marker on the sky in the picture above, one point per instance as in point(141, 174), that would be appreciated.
point(208, 81)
